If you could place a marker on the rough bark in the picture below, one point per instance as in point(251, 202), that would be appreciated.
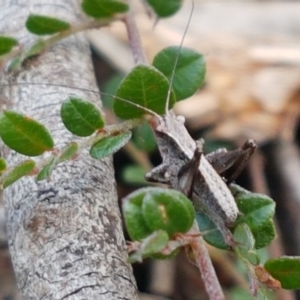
point(65, 234)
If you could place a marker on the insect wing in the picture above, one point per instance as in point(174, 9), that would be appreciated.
point(219, 190)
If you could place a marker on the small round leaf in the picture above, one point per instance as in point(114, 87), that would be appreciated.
point(150, 245)
point(135, 175)
point(146, 87)
point(81, 117)
point(42, 25)
point(154, 243)
point(189, 72)
point(103, 8)
point(245, 243)
point(243, 237)
point(264, 234)
point(165, 8)
point(6, 44)
point(286, 269)
point(109, 145)
point(24, 134)
point(168, 210)
point(46, 171)
point(23, 169)
point(211, 234)
point(144, 138)
point(256, 209)
point(132, 212)
point(69, 152)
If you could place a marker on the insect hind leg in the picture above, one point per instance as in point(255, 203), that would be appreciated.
point(230, 164)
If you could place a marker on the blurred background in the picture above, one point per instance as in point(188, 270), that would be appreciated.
point(252, 90)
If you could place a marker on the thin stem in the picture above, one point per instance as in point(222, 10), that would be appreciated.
point(205, 266)
point(48, 42)
point(90, 24)
point(84, 144)
point(134, 39)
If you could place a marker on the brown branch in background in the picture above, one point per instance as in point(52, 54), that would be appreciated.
point(256, 168)
point(204, 264)
point(223, 261)
point(134, 39)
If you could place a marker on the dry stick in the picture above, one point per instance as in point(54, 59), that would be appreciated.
point(134, 39)
point(204, 263)
point(256, 168)
point(48, 42)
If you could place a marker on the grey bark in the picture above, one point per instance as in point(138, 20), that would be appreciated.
point(65, 234)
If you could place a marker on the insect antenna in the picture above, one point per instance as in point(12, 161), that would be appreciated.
point(177, 58)
point(147, 110)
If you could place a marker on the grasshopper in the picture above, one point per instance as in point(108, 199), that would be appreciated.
point(187, 169)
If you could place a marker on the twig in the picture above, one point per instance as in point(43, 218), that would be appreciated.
point(204, 264)
point(134, 39)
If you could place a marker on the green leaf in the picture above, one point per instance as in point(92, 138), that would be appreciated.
point(165, 8)
point(256, 208)
point(24, 134)
point(257, 211)
point(154, 243)
point(146, 87)
point(110, 89)
point(144, 138)
point(23, 169)
point(103, 8)
point(109, 145)
point(211, 233)
point(243, 237)
point(237, 190)
point(81, 117)
point(6, 44)
point(189, 72)
point(286, 269)
point(134, 174)
point(168, 210)
point(42, 25)
point(150, 245)
point(69, 152)
point(245, 243)
point(133, 216)
point(3, 164)
point(46, 171)
point(264, 234)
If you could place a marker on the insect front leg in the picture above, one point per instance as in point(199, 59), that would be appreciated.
point(187, 175)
